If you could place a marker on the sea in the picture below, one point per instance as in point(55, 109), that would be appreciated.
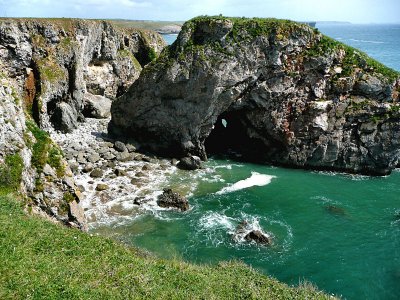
point(337, 231)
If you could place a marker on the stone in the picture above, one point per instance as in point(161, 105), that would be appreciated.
point(140, 174)
point(96, 106)
point(94, 158)
point(140, 200)
point(102, 187)
point(88, 168)
point(77, 214)
point(174, 161)
point(119, 146)
point(108, 156)
point(49, 171)
point(123, 156)
point(74, 166)
point(190, 163)
point(258, 237)
point(81, 158)
point(172, 199)
point(120, 172)
point(69, 181)
point(97, 173)
point(130, 148)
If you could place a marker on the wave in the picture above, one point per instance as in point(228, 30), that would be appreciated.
point(256, 179)
point(366, 41)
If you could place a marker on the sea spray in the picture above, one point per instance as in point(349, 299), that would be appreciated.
point(256, 179)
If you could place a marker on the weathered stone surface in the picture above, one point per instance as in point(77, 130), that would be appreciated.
point(288, 96)
point(120, 146)
point(97, 173)
point(96, 106)
point(123, 156)
point(189, 163)
point(171, 199)
point(102, 187)
point(76, 213)
point(79, 56)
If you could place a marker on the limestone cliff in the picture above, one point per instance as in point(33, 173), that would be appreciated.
point(274, 90)
point(56, 62)
point(48, 69)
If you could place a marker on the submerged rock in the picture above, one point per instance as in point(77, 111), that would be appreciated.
point(335, 210)
point(273, 90)
point(258, 237)
point(172, 199)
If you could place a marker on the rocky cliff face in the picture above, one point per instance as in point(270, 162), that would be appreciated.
point(274, 90)
point(50, 71)
point(56, 63)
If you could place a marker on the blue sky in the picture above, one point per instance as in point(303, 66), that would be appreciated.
point(356, 11)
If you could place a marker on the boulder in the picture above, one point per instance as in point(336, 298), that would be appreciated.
point(97, 173)
point(96, 106)
point(171, 199)
point(190, 163)
point(120, 146)
point(102, 187)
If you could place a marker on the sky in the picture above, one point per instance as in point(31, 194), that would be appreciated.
point(355, 11)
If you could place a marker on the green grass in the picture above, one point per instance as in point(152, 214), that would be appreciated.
point(11, 172)
point(42, 260)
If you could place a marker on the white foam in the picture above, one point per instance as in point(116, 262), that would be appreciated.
point(366, 41)
point(215, 220)
point(256, 179)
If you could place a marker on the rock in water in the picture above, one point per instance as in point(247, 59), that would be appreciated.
point(288, 95)
point(171, 199)
point(258, 237)
point(190, 163)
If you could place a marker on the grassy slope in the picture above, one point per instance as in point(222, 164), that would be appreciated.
point(41, 260)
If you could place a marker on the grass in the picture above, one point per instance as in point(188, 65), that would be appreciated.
point(11, 172)
point(42, 260)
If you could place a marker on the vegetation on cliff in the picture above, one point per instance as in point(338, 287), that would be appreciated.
point(42, 260)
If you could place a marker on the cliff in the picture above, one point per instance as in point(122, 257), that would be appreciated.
point(273, 90)
point(50, 70)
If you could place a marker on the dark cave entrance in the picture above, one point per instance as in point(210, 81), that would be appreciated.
point(230, 138)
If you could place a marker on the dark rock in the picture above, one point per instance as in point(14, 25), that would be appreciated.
point(140, 174)
point(190, 163)
point(258, 237)
point(97, 173)
point(102, 187)
point(119, 146)
point(335, 210)
point(146, 168)
point(171, 199)
point(111, 164)
point(147, 159)
point(81, 188)
point(140, 200)
point(74, 166)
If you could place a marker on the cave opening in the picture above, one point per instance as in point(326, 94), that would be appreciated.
point(230, 138)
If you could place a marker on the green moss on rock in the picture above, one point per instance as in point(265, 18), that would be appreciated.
point(11, 172)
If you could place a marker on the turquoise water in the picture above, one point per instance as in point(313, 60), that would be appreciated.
point(338, 231)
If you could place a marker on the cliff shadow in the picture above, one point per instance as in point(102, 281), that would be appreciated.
point(230, 138)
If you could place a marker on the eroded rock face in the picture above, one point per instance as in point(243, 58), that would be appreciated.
point(288, 94)
point(56, 62)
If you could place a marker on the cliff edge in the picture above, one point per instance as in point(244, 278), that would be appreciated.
point(273, 90)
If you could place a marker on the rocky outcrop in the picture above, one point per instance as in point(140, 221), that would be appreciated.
point(32, 164)
point(56, 62)
point(274, 90)
point(170, 199)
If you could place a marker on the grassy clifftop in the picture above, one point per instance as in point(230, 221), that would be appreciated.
point(41, 260)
